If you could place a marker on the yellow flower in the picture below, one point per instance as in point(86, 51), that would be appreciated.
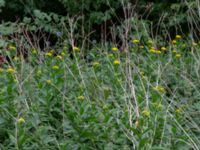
point(48, 81)
point(135, 41)
point(95, 64)
point(81, 97)
point(163, 48)
point(76, 49)
point(152, 51)
point(11, 70)
point(55, 67)
point(150, 42)
point(146, 113)
point(174, 51)
point(158, 52)
point(178, 37)
point(59, 57)
point(178, 110)
point(159, 89)
point(11, 47)
point(178, 55)
point(115, 49)
point(34, 51)
point(63, 54)
point(116, 62)
point(174, 42)
point(49, 54)
point(21, 120)
point(141, 46)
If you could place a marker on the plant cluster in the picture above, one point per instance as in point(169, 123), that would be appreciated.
point(144, 97)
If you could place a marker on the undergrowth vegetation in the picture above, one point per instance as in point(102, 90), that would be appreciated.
point(143, 97)
point(105, 74)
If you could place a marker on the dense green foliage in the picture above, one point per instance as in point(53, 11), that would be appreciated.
point(167, 16)
point(141, 99)
point(104, 74)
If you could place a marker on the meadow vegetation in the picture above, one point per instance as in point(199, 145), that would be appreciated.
point(138, 92)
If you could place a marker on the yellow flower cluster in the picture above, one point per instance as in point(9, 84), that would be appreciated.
point(178, 55)
point(49, 54)
point(163, 48)
point(95, 64)
point(21, 120)
point(141, 46)
point(62, 54)
point(174, 51)
point(34, 51)
point(178, 110)
point(135, 41)
point(76, 49)
point(154, 51)
point(116, 62)
point(174, 41)
point(115, 49)
point(59, 57)
point(178, 36)
point(55, 67)
point(11, 70)
point(81, 97)
point(11, 47)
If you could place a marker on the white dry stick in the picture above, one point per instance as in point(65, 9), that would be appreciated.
point(132, 90)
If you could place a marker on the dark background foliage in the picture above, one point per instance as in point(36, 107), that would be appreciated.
point(172, 16)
